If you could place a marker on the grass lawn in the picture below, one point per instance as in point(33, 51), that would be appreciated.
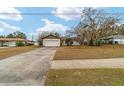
point(89, 52)
point(78, 77)
point(7, 52)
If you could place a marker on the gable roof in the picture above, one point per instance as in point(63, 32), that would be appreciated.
point(51, 37)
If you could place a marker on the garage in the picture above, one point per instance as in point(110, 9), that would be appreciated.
point(51, 41)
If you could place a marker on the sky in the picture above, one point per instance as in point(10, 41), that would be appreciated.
point(32, 20)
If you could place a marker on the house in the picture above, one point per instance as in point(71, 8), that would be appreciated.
point(51, 41)
point(115, 39)
point(10, 41)
point(118, 39)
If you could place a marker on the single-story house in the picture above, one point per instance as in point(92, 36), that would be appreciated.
point(118, 39)
point(10, 41)
point(51, 41)
point(115, 39)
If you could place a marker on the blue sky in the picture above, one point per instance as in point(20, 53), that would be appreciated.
point(31, 24)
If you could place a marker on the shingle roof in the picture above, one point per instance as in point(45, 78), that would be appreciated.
point(12, 39)
point(51, 37)
point(117, 37)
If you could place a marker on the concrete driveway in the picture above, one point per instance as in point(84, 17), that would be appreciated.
point(26, 69)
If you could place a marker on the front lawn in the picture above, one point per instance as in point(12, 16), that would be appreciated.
point(11, 51)
point(89, 52)
point(78, 77)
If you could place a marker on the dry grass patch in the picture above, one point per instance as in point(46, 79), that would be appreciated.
point(89, 52)
point(78, 77)
point(7, 52)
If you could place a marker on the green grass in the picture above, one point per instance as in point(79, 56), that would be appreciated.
point(85, 77)
point(8, 52)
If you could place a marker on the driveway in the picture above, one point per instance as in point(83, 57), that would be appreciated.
point(26, 69)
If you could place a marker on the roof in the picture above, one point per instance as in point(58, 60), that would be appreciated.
point(117, 37)
point(51, 37)
point(12, 39)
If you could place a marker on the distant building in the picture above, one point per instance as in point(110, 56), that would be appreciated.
point(115, 39)
point(118, 39)
point(10, 41)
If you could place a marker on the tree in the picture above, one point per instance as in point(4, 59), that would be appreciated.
point(41, 35)
point(121, 29)
point(10, 36)
point(17, 34)
point(94, 25)
point(2, 36)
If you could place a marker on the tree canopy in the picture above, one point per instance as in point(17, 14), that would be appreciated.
point(17, 34)
point(94, 25)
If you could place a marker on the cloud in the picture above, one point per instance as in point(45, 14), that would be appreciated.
point(7, 27)
point(7, 13)
point(67, 13)
point(52, 26)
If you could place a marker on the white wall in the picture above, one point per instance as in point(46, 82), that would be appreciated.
point(10, 43)
point(0, 44)
point(51, 42)
point(75, 43)
point(120, 41)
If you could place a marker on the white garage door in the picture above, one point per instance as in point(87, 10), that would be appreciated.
point(51, 42)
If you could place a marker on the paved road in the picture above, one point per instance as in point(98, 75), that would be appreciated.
point(26, 69)
point(88, 63)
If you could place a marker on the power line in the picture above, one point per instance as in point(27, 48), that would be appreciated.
point(52, 13)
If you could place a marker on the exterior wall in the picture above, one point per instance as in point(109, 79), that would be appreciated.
point(1, 44)
point(75, 43)
point(10, 44)
point(52, 40)
point(120, 41)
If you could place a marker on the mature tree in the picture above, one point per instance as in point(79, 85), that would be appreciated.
point(10, 36)
point(69, 33)
point(55, 34)
point(94, 25)
point(17, 34)
point(121, 29)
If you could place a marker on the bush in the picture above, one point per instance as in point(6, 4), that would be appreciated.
point(110, 42)
point(19, 43)
point(69, 42)
point(98, 42)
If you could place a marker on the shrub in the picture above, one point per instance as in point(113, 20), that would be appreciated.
point(69, 42)
point(19, 43)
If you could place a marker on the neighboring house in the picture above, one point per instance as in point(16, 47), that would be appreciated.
point(51, 41)
point(115, 39)
point(118, 39)
point(10, 41)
